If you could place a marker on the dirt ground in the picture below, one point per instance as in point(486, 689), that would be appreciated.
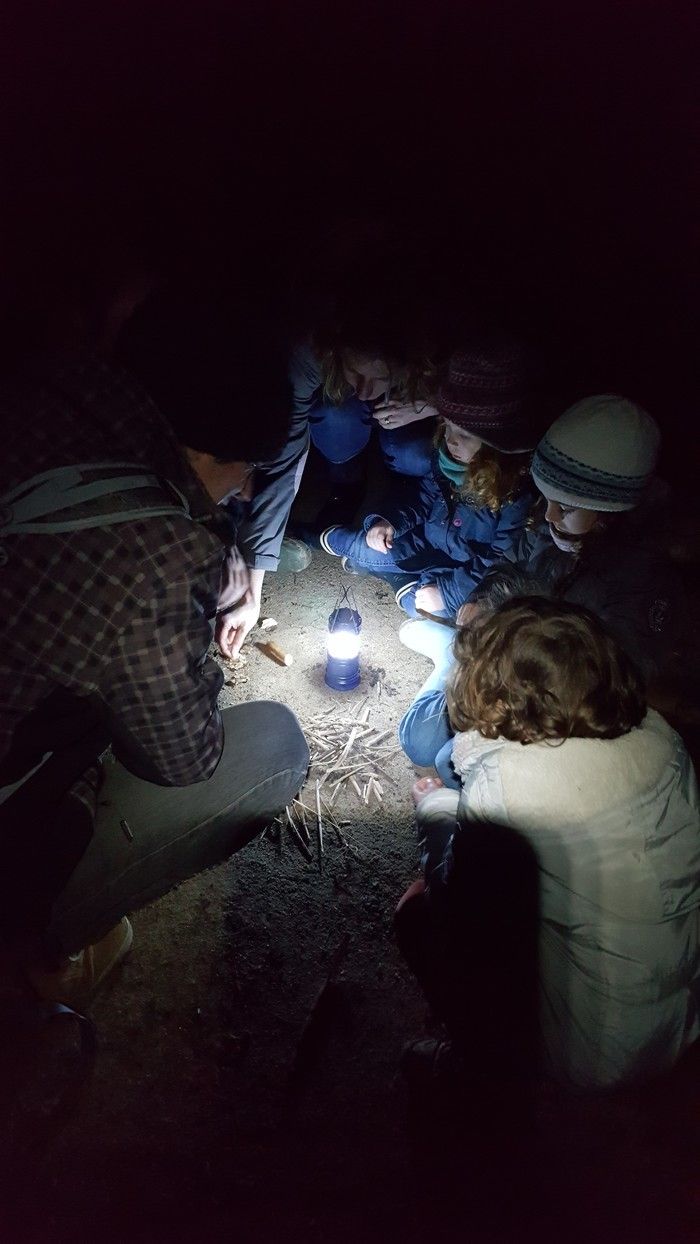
point(245, 1085)
point(201, 1102)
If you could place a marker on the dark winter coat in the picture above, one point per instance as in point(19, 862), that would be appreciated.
point(619, 576)
point(452, 542)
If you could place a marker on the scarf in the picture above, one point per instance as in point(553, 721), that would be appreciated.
point(455, 471)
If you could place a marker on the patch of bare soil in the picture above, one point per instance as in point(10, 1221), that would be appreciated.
point(246, 1087)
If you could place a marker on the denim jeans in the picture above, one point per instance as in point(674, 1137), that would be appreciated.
point(340, 433)
point(352, 544)
point(346, 542)
point(172, 833)
point(426, 736)
point(425, 733)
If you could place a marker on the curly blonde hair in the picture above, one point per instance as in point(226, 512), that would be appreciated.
point(492, 478)
point(412, 382)
point(538, 669)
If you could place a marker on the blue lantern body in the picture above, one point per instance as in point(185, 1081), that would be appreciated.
point(343, 663)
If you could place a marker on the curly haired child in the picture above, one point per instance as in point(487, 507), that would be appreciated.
point(555, 744)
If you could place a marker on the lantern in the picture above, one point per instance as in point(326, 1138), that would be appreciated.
point(343, 644)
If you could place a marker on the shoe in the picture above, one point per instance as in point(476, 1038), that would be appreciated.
point(402, 591)
point(80, 978)
point(353, 568)
point(295, 555)
point(323, 540)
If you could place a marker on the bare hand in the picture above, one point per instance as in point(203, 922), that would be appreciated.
point(429, 599)
point(380, 537)
point(467, 613)
point(425, 786)
point(232, 627)
point(416, 888)
point(398, 414)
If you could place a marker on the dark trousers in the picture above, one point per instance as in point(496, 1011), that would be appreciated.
point(70, 879)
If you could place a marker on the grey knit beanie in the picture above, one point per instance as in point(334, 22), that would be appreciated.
point(599, 455)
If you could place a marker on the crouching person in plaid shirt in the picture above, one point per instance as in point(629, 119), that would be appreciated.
point(114, 565)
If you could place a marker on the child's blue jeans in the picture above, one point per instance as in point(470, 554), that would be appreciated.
point(346, 542)
point(426, 736)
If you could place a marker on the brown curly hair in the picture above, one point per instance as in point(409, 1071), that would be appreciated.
point(539, 669)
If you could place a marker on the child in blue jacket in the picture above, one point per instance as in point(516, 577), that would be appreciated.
point(474, 502)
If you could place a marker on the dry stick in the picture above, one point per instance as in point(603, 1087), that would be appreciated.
point(348, 745)
point(341, 837)
point(350, 769)
point(300, 843)
point(320, 826)
point(303, 820)
point(336, 791)
point(305, 806)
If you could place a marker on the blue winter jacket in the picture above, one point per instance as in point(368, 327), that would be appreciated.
point(450, 542)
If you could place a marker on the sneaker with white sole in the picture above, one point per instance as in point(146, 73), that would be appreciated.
point(82, 974)
point(402, 591)
point(323, 538)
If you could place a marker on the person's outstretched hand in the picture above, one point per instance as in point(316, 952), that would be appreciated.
point(380, 537)
point(429, 599)
point(424, 786)
point(232, 627)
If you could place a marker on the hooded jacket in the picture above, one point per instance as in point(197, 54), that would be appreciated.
point(615, 825)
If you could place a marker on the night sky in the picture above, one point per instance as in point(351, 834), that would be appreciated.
point(543, 152)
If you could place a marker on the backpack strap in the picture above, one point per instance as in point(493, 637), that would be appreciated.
point(48, 502)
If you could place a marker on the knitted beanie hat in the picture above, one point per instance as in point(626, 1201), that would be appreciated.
point(599, 455)
point(485, 394)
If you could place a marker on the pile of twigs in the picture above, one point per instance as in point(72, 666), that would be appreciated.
point(347, 754)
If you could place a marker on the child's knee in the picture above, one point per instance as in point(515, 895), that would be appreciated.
point(418, 741)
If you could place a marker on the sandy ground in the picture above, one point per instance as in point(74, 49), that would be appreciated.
point(202, 1097)
point(227, 1102)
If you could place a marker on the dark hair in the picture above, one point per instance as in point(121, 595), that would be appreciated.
point(216, 371)
point(500, 584)
point(538, 669)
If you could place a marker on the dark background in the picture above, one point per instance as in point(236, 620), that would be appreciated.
point(545, 155)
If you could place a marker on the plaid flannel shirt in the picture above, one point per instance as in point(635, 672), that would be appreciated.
point(122, 613)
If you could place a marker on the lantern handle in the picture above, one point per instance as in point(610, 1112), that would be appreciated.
point(346, 595)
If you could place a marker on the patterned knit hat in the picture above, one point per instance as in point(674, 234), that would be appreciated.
point(485, 394)
point(599, 455)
